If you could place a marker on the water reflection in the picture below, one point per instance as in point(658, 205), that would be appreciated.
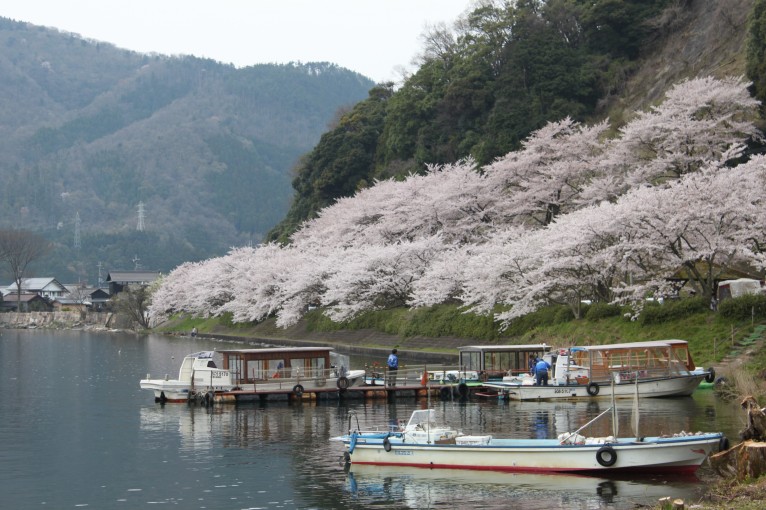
point(425, 488)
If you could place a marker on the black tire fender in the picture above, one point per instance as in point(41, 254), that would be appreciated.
point(593, 389)
point(298, 390)
point(606, 456)
point(445, 392)
point(710, 377)
point(723, 444)
point(342, 383)
point(462, 390)
point(387, 445)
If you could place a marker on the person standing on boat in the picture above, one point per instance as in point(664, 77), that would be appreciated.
point(541, 372)
point(532, 364)
point(393, 366)
point(194, 331)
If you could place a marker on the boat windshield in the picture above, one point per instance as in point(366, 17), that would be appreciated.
point(422, 417)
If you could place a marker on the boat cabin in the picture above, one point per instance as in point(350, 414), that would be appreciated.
point(249, 366)
point(496, 361)
point(645, 360)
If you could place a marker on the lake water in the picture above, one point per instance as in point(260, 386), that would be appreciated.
point(76, 431)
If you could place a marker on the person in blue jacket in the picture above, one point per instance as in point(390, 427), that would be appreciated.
point(541, 372)
point(393, 366)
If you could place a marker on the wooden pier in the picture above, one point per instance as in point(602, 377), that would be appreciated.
point(365, 392)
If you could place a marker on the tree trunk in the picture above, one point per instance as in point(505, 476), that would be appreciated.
point(746, 460)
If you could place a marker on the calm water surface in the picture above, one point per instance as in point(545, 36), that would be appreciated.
point(78, 432)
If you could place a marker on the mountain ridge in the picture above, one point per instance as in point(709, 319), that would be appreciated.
point(208, 149)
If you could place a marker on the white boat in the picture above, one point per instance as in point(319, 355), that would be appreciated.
point(198, 376)
point(660, 368)
point(292, 370)
point(424, 443)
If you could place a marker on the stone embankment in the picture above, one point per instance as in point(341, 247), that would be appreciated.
point(56, 320)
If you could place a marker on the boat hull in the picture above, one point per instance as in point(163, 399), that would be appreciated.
point(174, 391)
point(679, 386)
point(678, 455)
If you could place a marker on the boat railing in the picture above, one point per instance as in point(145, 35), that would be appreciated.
point(408, 375)
point(626, 374)
point(287, 378)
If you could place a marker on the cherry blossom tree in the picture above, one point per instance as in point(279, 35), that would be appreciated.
point(545, 178)
point(573, 215)
point(700, 121)
point(706, 223)
point(451, 200)
point(376, 277)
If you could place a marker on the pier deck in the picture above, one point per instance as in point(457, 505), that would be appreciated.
point(366, 392)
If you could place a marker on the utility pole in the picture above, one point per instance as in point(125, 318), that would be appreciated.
point(77, 231)
point(100, 279)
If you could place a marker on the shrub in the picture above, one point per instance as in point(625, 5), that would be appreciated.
point(672, 310)
point(743, 307)
point(564, 314)
point(601, 311)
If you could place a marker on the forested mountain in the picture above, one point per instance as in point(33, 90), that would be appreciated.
point(115, 155)
point(506, 69)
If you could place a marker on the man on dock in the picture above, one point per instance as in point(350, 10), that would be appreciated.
point(393, 366)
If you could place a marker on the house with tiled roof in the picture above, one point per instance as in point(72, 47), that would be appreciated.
point(49, 288)
point(94, 298)
point(27, 303)
point(118, 280)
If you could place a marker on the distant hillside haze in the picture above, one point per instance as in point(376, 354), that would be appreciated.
point(163, 159)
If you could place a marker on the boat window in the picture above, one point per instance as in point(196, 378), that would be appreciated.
point(211, 364)
point(681, 353)
point(471, 360)
point(255, 370)
point(500, 361)
point(297, 367)
point(276, 367)
point(235, 367)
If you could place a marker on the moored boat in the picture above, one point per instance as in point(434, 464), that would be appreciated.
point(198, 376)
point(285, 369)
point(660, 368)
point(424, 443)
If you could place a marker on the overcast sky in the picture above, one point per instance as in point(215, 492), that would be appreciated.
point(372, 37)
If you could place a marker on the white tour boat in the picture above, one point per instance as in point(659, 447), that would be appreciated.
point(282, 369)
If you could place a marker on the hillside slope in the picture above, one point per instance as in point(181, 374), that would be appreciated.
point(699, 38)
point(91, 131)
